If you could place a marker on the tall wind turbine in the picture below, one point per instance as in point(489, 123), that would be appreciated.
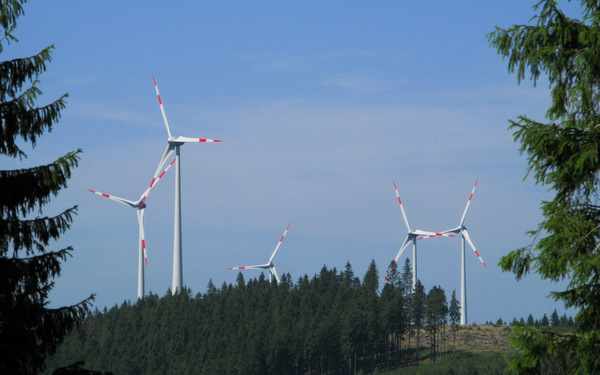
point(463, 276)
point(412, 236)
point(173, 144)
point(269, 265)
point(140, 206)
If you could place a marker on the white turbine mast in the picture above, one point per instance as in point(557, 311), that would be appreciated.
point(463, 274)
point(270, 266)
point(412, 236)
point(173, 144)
point(140, 206)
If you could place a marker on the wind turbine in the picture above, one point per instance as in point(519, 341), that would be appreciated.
point(173, 144)
point(412, 236)
point(269, 265)
point(463, 276)
point(140, 206)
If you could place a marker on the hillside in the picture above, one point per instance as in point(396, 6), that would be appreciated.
point(333, 323)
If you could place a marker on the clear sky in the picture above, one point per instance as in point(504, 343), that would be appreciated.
point(320, 106)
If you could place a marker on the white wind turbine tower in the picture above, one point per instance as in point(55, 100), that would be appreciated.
point(463, 276)
point(412, 236)
point(140, 206)
point(174, 144)
point(269, 265)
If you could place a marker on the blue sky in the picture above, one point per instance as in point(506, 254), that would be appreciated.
point(320, 107)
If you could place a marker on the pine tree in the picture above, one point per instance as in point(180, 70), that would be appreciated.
point(406, 276)
point(530, 321)
point(562, 154)
point(407, 288)
point(436, 312)
point(554, 319)
point(29, 330)
point(393, 276)
point(454, 314)
point(417, 311)
point(544, 322)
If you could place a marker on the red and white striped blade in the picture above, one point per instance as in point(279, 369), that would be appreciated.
point(161, 175)
point(115, 198)
point(465, 234)
point(279, 244)
point(168, 151)
point(419, 232)
point(402, 208)
point(407, 241)
point(142, 234)
point(435, 235)
point(194, 140)
point(257, 267)
point(162, 109)
point(462, 220)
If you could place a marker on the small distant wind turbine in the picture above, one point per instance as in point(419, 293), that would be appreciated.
point(140, 206)
point(463, 275)
point(269, 265)
point(412, 236)
point(173, 144)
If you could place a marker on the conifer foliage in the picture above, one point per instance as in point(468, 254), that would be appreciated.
point(562, 154)
point(331, 323)
point(29, 330)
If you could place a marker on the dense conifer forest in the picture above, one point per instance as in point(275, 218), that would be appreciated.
point(332, 323)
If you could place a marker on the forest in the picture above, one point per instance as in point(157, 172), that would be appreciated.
point(332, 323)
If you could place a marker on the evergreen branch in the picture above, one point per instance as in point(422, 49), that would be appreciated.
point(9, 12)
point(24, 276)
point(14, 74)
point(24, 234)
point(19, 119)
point(25, 190)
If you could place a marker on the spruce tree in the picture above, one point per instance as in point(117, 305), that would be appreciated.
point(417, 311)
point(436, 312)
point(563, 155)
point(454, 314)
point(554, 319)
point(29, 330)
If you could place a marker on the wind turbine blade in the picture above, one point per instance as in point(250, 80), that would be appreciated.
point(274, 273)
point(465, 234)
point(434, 235)
point(407, 241)
point(279, 244)
point(257, 267)
point(451, 232)
point(116, 199)
point(425, 233)
point(168, 151)
point(401, 208)
point(155, 180)
point(194, 140)
point(140, 213)
point(162, 109)
point(462, 220)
